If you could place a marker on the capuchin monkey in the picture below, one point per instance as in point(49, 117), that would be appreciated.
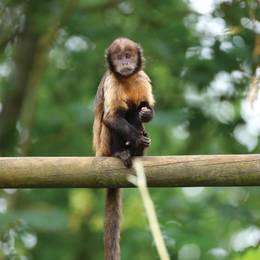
point(124, 101)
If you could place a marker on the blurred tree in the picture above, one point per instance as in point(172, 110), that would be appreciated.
point(201, 56)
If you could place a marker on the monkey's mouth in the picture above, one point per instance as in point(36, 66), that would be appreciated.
point(126, 71)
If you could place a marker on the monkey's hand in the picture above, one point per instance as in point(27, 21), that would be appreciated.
point(143, 141)
point(145, 114)
point(144, 132)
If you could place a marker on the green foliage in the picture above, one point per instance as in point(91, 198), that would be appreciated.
point(201, 66)
point(251, 254)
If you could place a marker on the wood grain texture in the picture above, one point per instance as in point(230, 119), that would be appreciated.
point(101, 172)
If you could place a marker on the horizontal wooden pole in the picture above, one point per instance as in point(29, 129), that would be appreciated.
point(101, 172)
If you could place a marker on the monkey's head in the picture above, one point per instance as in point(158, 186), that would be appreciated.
point(124, 57)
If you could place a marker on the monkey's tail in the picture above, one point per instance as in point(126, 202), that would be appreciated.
point(112, 224)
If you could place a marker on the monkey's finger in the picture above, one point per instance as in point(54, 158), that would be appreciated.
point(146, 141)
point(146, 145)
point(145, 109)
point(144, 133)
point(141, 114)
point(144, 113)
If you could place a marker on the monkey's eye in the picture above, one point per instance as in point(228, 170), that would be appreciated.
point(119, 57)
point(128, 55)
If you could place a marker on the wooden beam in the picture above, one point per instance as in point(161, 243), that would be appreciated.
point(161, 171)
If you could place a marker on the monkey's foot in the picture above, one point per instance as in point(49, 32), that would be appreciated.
point(125, 157)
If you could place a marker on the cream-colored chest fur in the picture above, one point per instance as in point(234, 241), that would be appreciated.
point(134, 90)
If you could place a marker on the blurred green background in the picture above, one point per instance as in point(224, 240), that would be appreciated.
point(201, 57)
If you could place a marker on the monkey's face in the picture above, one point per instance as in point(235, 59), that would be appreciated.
point(124, 57)
point(125, 62)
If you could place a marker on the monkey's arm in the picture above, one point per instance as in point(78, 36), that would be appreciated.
point(121, 126)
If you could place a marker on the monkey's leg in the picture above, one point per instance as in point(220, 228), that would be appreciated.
point(122, 128)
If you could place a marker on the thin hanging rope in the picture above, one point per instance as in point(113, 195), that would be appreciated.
point(140, 181)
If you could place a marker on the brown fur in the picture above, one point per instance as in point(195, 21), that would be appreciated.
point(117, 92)
point(112, 94)
point(112, 224)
